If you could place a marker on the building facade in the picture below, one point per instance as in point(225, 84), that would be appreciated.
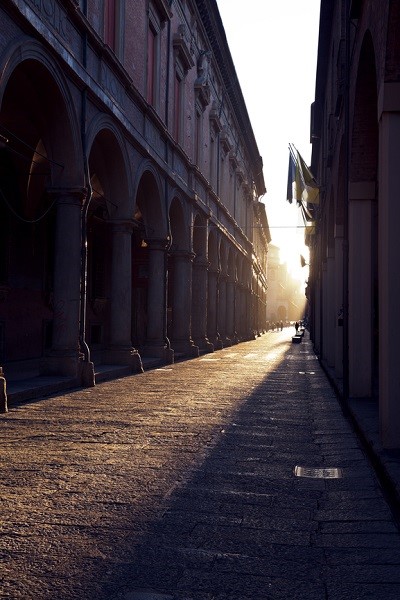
point(130, 182)
point(354, 282)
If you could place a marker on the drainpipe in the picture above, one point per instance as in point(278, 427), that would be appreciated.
point(88, 370)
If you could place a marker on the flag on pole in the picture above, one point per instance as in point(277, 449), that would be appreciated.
point(301, 183)
point(293, 184)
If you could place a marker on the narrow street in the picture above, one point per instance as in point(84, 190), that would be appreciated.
point(180, 484)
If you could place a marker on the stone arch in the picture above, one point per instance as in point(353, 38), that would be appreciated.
point(109, 204)
point(150, 206)
point(37, 86)
point(41, 161)
point(151, 239)
point(109, 168)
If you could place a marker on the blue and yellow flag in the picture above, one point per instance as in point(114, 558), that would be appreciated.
point(301, 184)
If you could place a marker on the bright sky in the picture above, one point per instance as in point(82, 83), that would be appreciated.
point(274, 46)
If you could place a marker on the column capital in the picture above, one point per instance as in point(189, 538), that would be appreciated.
point(122, 226)
point(201, 263)
point(74, 195)
point(183, 255)
point(158, 243)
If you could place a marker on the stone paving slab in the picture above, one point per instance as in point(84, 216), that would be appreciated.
point(179, 484)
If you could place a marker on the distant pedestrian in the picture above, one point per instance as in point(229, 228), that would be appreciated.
point(296, 326)
point(281, 325)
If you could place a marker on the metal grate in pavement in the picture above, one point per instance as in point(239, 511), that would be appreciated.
point(317, 473)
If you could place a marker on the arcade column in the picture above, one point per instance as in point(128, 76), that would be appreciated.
point(199, 305)
point(64, 358)
point(181, 339)
point(156, 339)
point(120, 350)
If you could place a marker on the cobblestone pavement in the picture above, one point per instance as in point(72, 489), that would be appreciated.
point(179, 484)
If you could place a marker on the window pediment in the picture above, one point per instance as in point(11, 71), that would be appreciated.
point(162, 9)
point(225, 142)
point(215, 119)
point(181, 48)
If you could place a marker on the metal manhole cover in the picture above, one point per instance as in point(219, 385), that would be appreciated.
point(327, 473)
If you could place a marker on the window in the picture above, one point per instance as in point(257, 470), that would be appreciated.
point(183, 63)
point(153, 58)
point(114, 27)
point(213, 156)
point(109, 23)
point(151, 65)
point(215, 129)
point(198, 126)
point(178, 102)
point(177, 106)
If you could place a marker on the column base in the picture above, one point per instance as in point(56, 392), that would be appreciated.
point(159, 351)
point(186, 348)
point(218, 344)
point(204, 345)
point(59, 363)
point(87, 375)
point(125, 356)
